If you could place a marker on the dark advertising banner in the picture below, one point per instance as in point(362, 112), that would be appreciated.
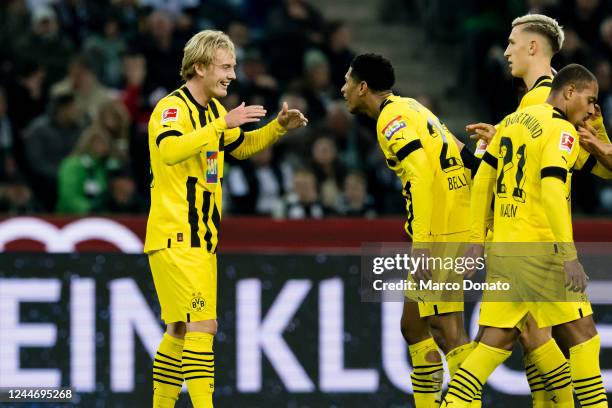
point(294, 332)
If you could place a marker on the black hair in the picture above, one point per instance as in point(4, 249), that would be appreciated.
point(375, 70)
point(572, 74)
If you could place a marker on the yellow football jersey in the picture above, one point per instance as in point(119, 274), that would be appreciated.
point(530, 144)
point(404, 125)
point(186, 200)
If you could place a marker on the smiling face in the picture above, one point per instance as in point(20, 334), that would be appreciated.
point(218, 75)
point(580, 105)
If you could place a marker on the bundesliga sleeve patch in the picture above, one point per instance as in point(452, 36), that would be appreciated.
point(567, 142)
point(392, 127)
point(169, 115)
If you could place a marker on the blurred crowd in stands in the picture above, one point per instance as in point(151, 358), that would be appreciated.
point(78, 80)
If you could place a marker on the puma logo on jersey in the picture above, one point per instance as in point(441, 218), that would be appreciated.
point(169, 115)
point(392, 127)
point(567, 142)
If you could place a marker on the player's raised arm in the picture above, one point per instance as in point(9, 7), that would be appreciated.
point(250, 143)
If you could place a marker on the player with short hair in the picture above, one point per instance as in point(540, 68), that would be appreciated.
point(189, 134)
point(421, 151)
point(532, 43)
point(528, 167)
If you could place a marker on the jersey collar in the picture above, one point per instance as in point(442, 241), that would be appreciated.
point(541, 79)
point(385, 103)
point(559, 114)
point(192, 99)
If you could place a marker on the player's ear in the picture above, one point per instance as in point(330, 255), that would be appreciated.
point(569, 90)
point(533, 47)
point(363, 87)
point(199, 68)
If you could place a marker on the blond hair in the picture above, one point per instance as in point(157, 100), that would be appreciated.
point(545, 26)
point(201, 48)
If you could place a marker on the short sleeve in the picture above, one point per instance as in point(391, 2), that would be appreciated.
point(560, 147)
point(397, 135)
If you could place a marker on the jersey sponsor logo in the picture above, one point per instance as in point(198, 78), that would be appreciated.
point(481, 147)
point(392, 127)
point(212, 167)
point(169, 115)
point(566, 142)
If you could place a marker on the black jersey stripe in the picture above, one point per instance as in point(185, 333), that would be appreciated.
point(205, 218)
point(193, 211)
point(166, 134)
point(216, 220)
point(469, 160)
point(553, 171)
point(180, 95)
point(490, 160)
point(589, 164)
point(409, 148)
point(234, 145)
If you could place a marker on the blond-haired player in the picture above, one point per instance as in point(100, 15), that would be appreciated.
point(189, 134)
point(532, 43)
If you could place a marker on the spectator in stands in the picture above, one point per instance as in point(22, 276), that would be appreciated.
point(161, 49)
point(355, 199)
point(574, 50)
point(106, 50)
point(79, 18)
point(123, 196)
point(129, 15)
point(254, 84)
point(605, 42)
point(338, 51)
point(16, 197)
point(81, 80)
point(83, 176)
point(354, 141)
point(603, 72)
point(293, 149)
point(293, 27)
point(114, 118)
point(45, 44)
point(240, 35)
point(316, 84)
point(328, 170)
point(8, 166)
point(303, 200)
point(14, 23)
point(48, 140)
point(585, 18)
point(257, 185)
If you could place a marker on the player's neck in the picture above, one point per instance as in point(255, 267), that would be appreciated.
point(197, 92)
point(374, 103)
point(536, 71)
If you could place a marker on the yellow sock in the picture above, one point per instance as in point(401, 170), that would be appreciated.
point(586, 374)
point(427, 376)
point(540, 398)
point(555, 372)
point(454, 359)
point(199, 368)
point(468, 381)
point(167, 375)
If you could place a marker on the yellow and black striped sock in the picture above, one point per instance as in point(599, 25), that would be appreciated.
point(199, 368)
point(540, 398)
point(454, 358)
point(468, 381)
point(167, 375)
point(427, 374)
point(586, 374)
point(555, 372)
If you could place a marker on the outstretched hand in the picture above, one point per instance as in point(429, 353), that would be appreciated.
point(244, 114)
point(291, 118)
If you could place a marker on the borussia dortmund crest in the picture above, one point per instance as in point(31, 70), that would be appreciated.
point(197, 302)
